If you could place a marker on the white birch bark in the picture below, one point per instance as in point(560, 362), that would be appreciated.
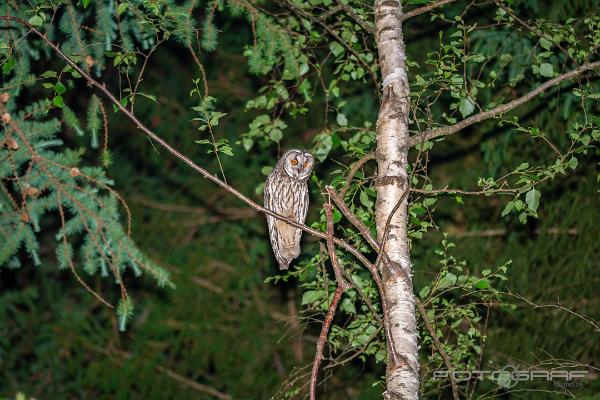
point(402, 374)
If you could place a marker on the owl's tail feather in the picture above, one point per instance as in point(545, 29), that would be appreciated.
point(284, 264)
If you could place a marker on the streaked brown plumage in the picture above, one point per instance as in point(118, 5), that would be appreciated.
point(286, 193)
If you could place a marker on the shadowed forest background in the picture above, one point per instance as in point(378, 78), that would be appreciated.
point(225, 324)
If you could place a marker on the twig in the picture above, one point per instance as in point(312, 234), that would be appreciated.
point(363, 24)
point(355, 167)
point(439, 347)
point(464, 192)
point(424, 9)
point(331, 248)
point(362, 228)
point(201, 68)
point(193, 384)
point(178, 154)
point(503, 232)
point(501, 109)
point(141, 74)
point(109, 352)
point(341, 286)
point(536, 32)
point(338, 39)
point(559, 306)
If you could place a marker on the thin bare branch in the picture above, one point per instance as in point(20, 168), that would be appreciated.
point(501, 109)
point(200, 68)
point(355, 167)
point(337, 269)
point(439, 347)
point(424, 9)
point(193, 384)
point(341, 286)
point(123, 355)
point(484, 192)
point(362, 228)
point(363, 24)
point(589, 320)
point(486, 233)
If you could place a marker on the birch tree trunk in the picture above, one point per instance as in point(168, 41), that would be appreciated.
point(392, 160)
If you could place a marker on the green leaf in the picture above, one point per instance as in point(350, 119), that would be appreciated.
point(348, 306)
point(447, 280)
point(226, 149)
point(8, 65)
point(508, 208)
point(336, 48)
point(86, 3)
point(532, 198)
point(342, 120)
point(303, 69)
point(545, 43)
point(337, 216)
point(260, 188)
point(573, 163)
point(49, 74)
point(310, 296)
point(247, 143)
point(59, 88)
point(36, 21)
point(323, 147)
point(57, 101)
point(266, 170)
point(365, 200)
point(276, 135)
point(546, 70)
point(466, 106)
point(482, 284)
point(260, 120)
point(505, 59)
point(148, 96)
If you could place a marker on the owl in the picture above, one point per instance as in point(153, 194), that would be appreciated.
point(286, 193)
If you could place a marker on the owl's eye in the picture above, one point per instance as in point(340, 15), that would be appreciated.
point(294, 161)
point(305, 164)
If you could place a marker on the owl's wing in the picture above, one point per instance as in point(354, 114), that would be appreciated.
point(303, 204)
point(302, 208)
point(271, 204)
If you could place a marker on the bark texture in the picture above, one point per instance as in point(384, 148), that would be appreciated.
point(392, 181)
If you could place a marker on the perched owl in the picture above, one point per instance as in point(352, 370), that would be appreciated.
point(286, 193)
